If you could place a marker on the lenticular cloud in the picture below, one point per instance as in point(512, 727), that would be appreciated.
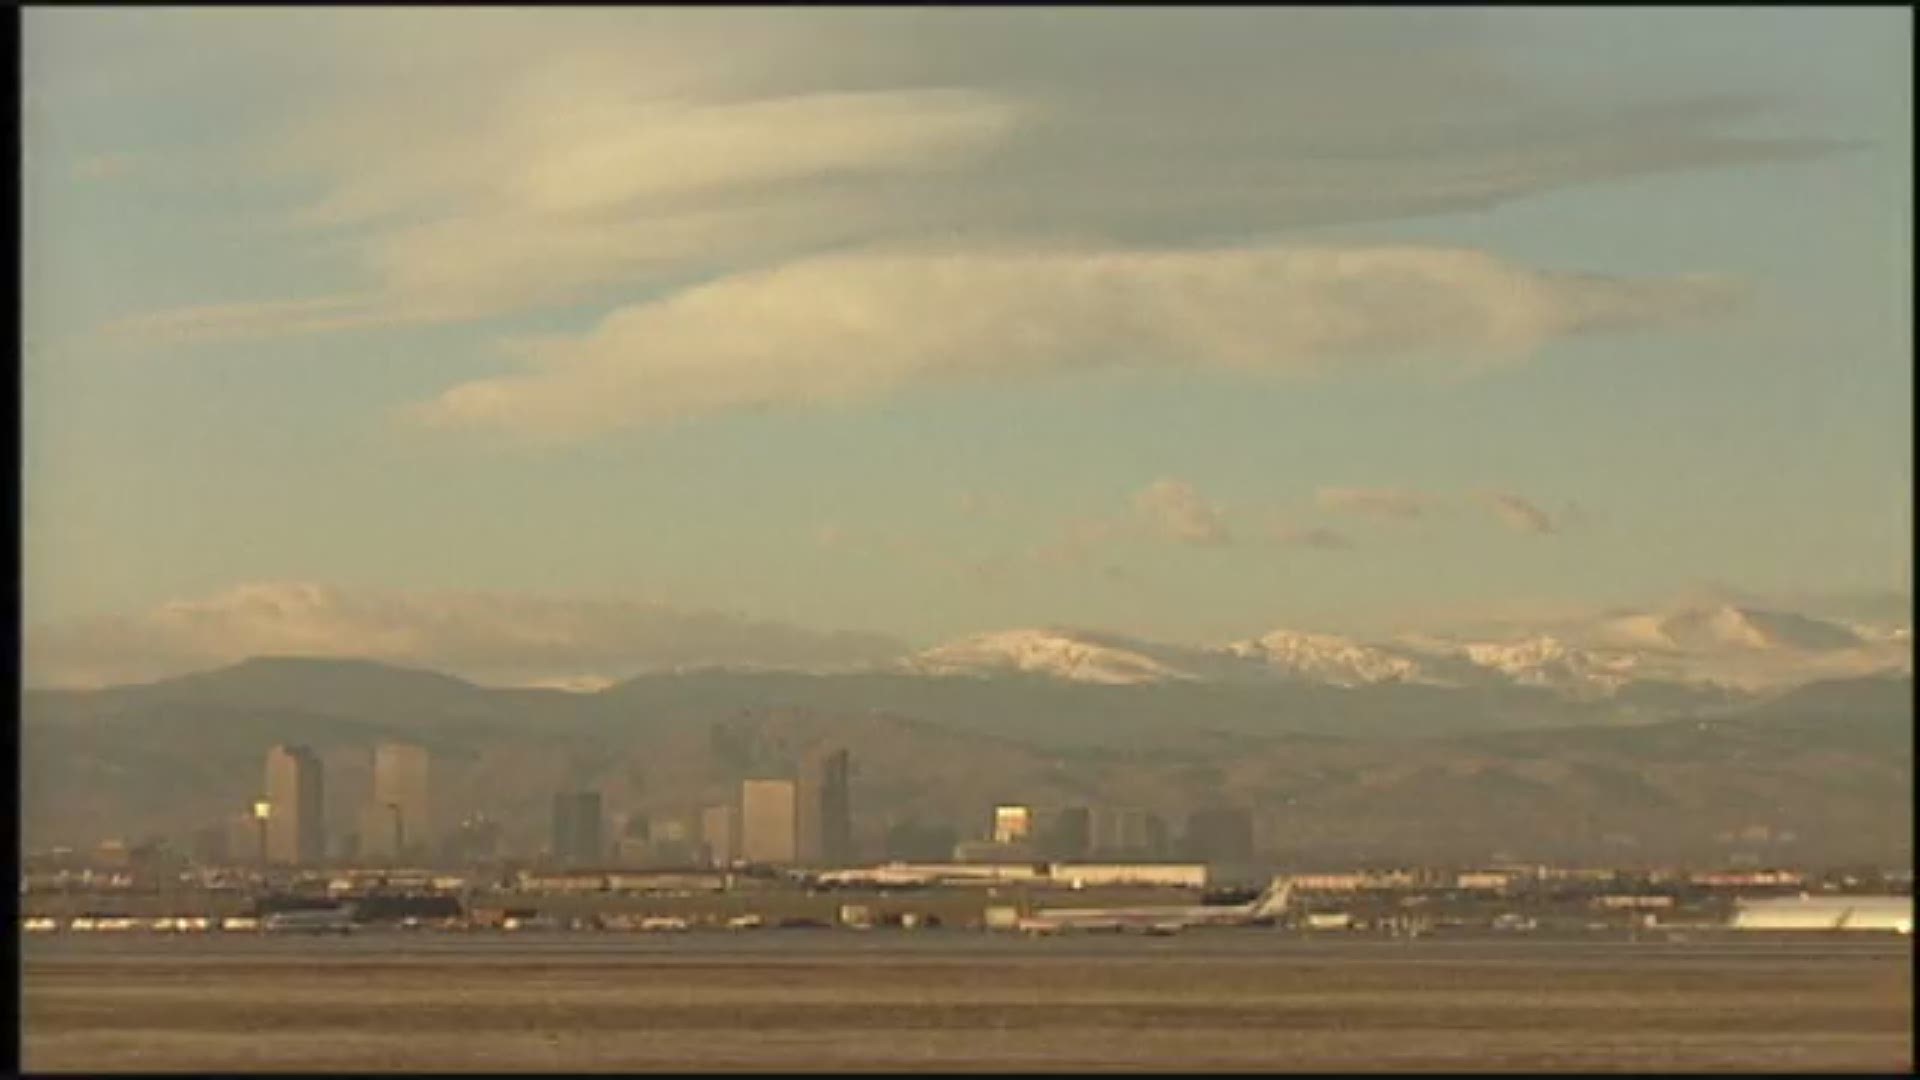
point(861, 325)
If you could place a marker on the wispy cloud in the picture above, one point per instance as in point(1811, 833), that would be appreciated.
point(1317, 536)
point(856, 326)
point(1178, 512)
point(509, 161)
point(1398, 504)
point(1516, 512)
point(502, 638)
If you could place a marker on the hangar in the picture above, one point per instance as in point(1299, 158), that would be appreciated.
point(1893, 913)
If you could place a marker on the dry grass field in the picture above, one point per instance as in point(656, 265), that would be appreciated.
point(956, 1001)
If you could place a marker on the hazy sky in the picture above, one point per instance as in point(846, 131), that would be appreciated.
point(676, 329)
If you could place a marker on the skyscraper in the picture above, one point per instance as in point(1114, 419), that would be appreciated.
point(576, 828)
point(296, 828)
point(1068, 833)
point(1220, 835)
point(767, 825)
point(400, 795)
point(1012, 824)
point(1126, 832)
point(826, 809)
point(720, 830)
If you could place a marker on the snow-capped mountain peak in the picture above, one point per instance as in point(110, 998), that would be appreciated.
point(1326, 658)
point(1726, 628)
point(1700, 647)
point(1071, 655)
point(1546, 660)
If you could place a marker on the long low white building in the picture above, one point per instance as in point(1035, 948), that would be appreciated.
point(1894, 913)
point(1072, 875)
point(1092, 875)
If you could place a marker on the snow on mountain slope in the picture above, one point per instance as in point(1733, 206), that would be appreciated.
point(1878, 634)
point(1727, 646)
point(1547, 661)
point(1725, 628)
point(1062, 654)
point(1326, 658)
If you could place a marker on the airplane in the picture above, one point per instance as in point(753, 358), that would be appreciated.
point(320, 921)
point(1262, 909)
point(540, 923)
point(879, 876)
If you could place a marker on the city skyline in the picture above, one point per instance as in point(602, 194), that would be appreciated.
point(1088, 318)
point(805, 820)
point(676, 538)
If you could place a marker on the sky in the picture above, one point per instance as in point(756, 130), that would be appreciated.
point(570, 340)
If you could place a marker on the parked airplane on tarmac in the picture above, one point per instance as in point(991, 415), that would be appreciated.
point(338, 920)
point(1262, 909)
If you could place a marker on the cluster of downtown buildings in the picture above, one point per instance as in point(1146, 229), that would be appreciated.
point(289, 821)
point(802, 819)
point(806, 818)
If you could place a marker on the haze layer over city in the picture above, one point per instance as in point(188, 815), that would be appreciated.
point(1263, 471)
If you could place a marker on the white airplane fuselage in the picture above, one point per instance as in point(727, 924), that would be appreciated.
point(1163, 919)
point(309, 922)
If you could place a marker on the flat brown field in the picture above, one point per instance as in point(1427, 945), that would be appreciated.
point(956, 1001)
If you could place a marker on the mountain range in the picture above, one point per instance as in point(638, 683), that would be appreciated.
point(1728, 647)
point(1541, 747)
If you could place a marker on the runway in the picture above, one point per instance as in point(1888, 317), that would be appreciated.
point(955, 1000)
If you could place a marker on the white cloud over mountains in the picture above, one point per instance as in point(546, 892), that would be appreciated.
point(581, 643)
point(873, 197)
point(1178, 512)
point(503, 638)
point(856, 326)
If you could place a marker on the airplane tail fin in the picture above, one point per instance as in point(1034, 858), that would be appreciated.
point(1273, 902)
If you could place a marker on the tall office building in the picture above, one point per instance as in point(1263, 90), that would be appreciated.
point(1067, 833)
point(825, 809)
point(401, 792)
point(295, 807)
point(576, 828)
point(1220, 835)
point(1127, 832)
point(720, 831)
point(1012, 824)
point(767, 821)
